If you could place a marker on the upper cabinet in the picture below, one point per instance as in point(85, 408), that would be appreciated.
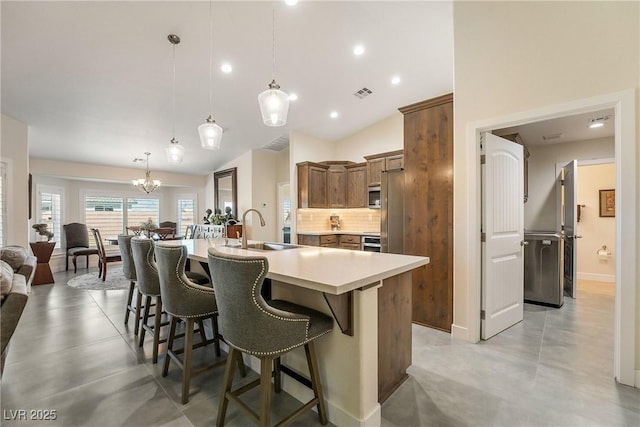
point(312, 185)
point(378, 163)
point(357, 185)
point(332, 184)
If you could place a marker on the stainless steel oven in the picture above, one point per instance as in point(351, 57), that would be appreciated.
point(371, 243)
point(374, 197)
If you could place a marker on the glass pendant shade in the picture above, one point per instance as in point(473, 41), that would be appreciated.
point(210, 134)
point(175, 152)
point(274, 105)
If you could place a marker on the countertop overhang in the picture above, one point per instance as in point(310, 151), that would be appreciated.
point(329, 270)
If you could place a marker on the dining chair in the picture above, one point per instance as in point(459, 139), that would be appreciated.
point(77, 241)
point(104, 257)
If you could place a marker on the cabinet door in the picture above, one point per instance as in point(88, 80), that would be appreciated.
point(357, 187)
point(374, 169)
point(350, 246)
point(317, 187)
point(394, 162)
point(308, 240)
point(337, 185)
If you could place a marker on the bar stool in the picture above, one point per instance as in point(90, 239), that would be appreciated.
point(266, 330)
point(129, 271)
point(190, 302)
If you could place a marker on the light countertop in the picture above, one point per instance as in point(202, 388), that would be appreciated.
point(334, 271)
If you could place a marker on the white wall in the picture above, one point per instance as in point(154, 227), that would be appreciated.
point(381, 137)
point(596, 231)
point(541, 210)
point(504, 64)
point(14, 150)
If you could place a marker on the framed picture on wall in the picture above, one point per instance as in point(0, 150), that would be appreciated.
point(607, 203)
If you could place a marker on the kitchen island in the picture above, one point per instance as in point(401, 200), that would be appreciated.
point(369, 294)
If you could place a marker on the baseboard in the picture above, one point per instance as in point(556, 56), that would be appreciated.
point(637, 378)
point(610, 278)
point(459, 332)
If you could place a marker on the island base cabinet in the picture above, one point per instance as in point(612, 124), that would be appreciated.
point(394, 333)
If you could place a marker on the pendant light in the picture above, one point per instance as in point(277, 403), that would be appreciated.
point(175, 151)
point(210, 132)
point(146, 185)
point(274, 103)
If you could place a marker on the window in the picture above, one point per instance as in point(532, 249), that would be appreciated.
point(49, 211)
point(3, 203)
point(140, 210)
point(105, 214)
point(111, 214)
point(186, 213)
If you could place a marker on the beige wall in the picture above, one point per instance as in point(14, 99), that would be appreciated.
point(596, 231)
point(14, 150)
point(541, 210)
point(504, 64)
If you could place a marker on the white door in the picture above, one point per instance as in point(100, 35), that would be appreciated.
point(502, 235)
point(570, 226)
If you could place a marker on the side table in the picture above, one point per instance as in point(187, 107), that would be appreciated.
point(43, 251)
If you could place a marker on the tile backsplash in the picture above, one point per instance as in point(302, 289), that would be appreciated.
point(350, 219)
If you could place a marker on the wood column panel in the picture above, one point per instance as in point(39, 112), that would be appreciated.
point(428, 224)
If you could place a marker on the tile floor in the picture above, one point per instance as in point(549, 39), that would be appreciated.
point(72, 353)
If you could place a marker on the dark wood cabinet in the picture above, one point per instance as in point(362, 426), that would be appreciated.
point(377, 163)
point(350, 241)
point(312, 185)
point(337, 185)
point(428, 222)
point(325, 240)
point(357, 185)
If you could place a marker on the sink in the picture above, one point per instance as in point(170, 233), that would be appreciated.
point(265, 246)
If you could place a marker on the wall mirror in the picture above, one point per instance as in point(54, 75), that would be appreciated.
point(225, 189)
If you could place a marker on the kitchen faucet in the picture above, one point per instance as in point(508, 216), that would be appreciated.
point(244, 232)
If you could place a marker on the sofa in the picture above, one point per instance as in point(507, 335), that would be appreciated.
point(17, 267)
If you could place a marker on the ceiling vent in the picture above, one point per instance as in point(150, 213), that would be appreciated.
point(363, 93)
point(278, 144)
point(552, 136)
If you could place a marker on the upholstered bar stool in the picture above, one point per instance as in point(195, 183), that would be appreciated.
point(129, 271)
point(149, 287)
point(265, 330)
point(190, 302)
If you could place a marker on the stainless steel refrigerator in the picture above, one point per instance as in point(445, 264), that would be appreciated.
point(392, 211)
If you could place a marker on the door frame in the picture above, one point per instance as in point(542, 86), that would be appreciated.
point(624, 106)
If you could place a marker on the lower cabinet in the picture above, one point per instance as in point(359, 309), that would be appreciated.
point(350, 241)
point(326, 240)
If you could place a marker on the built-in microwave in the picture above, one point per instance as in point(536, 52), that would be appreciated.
point(374, 197)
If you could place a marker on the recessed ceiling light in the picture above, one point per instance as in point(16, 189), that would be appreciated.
point(395, 80)
point(358, 50)
point(226, 68)
point(334, 114)
point(291, 2)
point(598, 122)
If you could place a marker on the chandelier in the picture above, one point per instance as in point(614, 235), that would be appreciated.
point(147, 184)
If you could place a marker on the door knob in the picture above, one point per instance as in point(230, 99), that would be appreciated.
point(524, 243)
point(577, 237)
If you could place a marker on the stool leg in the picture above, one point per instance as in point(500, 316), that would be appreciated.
point(136, 328)
point(132, 287)
point(172, 334)
point(203, 333)
point(66, 263)
point(241, 367)
point(228, 379)
point(186, 363)
point(312, 361)
point(145, 319)
point(277, 377)
point(265, 391)
point(216, 334)
point(156, 328)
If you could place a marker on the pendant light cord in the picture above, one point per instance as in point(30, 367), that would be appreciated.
point(174, 91)
point(211, 58)
point(273, 38)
